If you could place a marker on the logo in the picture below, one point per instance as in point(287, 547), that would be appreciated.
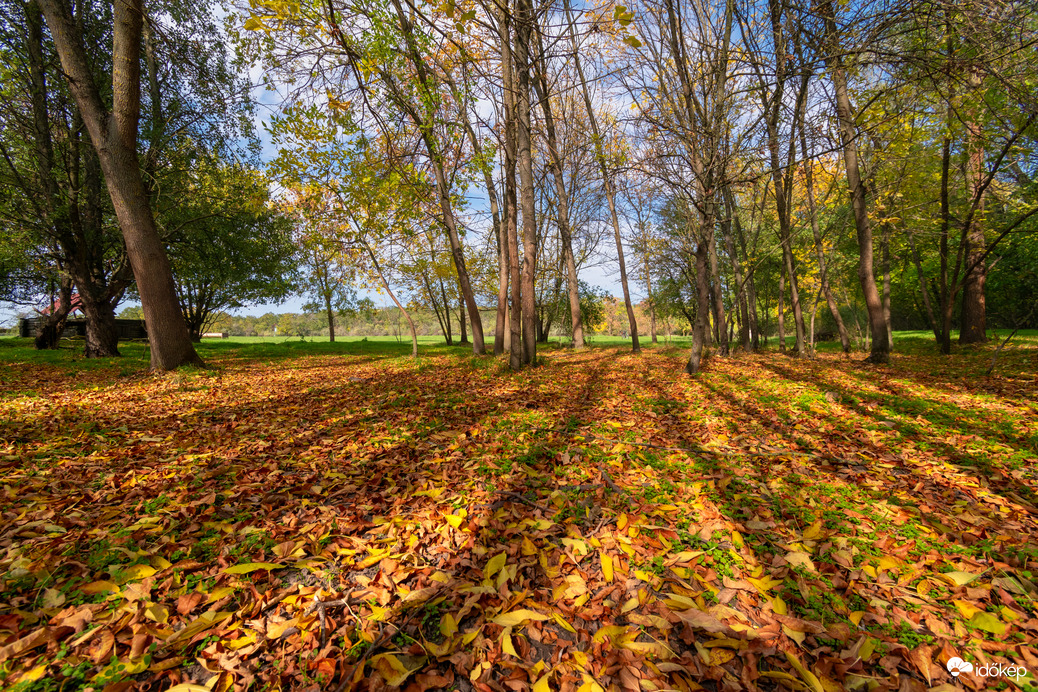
point(956, 666)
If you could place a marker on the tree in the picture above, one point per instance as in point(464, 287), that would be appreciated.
point(114, 135)
point(232, 247)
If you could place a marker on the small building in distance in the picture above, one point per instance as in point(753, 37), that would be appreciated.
point(128, 329)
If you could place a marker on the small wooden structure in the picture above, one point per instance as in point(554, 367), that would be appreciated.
point(128, 329)
point(215, 335)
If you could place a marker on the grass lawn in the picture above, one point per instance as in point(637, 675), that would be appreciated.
point(314, 515)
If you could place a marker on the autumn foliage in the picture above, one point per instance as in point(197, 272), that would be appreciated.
point(351, 518)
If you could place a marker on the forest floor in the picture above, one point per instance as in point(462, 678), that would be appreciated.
point(337, 516)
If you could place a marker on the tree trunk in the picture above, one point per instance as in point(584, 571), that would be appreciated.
point(114, 136)
point(510, 226)
point(102, 335)
point(782, 310)
point(555, 163)
point(425, 124)
point(461, 322)
point(652, 303)
point(447, 334)
point(823, 270)
point(973, 319)
point(720, 322)
point(607, 183)
point(699, 331)
point(885, 259)
point(524, 15)
point(880, 352)
point(501, 331)
point(331, 318)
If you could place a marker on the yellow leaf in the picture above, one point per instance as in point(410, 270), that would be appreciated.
point(454, 520)
point(956, 578)
point(158, 613)
point(248, 567)
point(764, 584)
point(561, 621)
point(448, 626)
point(988, 622)
point(648, 649)
point(607, 566)
point(506, 642)
point(609, 632)
point(800, 558)
point(96, 587)
point(967, 609)
point(517, 617)
point(136, 572)
point(779, 606)
point(542, 684)
point(395, 670)
point(807, 676)
point(814, 530)
point(494, 565)
point(219, 593)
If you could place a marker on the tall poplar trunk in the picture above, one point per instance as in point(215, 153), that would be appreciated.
point(510, 227)
point(607, 183)
point(884, 242)
point(823, 270)
point(973, 320)
point(740, 281)
point(524, 144)
point(425, 121)
point(782, 310)
point(556, 165)
point(114, 135)
point(880, 351)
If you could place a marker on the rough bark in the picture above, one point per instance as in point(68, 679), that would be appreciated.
point(607, 183)
point(973, 318)
point(511, 222)
point(823, 269)
point(556, 165)
point(114, 135)
point(524, 137)
point(880, 351)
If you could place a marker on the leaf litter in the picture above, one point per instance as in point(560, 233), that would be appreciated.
point(598, 523)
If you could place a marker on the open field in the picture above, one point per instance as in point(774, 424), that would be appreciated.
point(307, 515)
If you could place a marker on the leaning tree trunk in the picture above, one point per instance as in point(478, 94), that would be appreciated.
point(823, 270)
point(610, 191)
point(114, 135)
point(555, 159)
point(48, 336)
point(880, 351)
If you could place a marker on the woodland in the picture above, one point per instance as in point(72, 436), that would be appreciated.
point(793, 444)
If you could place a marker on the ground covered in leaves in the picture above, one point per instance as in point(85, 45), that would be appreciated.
point(345, 518)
